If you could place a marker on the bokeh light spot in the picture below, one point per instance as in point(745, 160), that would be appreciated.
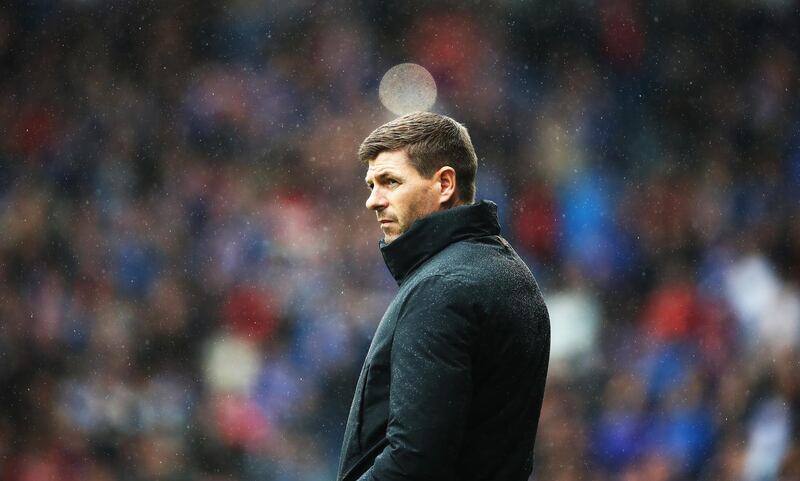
point(407, 87)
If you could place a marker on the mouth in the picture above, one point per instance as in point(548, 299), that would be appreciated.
point(385, 221)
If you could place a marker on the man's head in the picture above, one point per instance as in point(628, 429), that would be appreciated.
point(417, 164)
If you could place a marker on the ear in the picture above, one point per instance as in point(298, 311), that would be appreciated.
point(448, 194)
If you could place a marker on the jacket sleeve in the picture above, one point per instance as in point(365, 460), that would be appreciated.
point(430, 385)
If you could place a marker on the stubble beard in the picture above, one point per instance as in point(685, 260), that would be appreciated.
point(415, 211)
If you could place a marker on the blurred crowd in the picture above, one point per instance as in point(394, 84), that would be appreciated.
point(189, 279)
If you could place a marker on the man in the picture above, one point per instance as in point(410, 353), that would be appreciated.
point(452, 385)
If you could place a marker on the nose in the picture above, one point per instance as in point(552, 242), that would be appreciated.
point(376, 199)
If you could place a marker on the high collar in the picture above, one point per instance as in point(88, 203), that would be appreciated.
point(431, 234)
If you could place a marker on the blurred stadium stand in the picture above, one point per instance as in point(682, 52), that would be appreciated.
point(189, 278)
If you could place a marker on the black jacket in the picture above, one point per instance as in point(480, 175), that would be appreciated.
point(452, 385)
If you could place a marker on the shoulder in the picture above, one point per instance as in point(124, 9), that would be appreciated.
point(485, 274)
point(480, 263)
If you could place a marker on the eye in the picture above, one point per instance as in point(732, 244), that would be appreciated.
point(392, 181)
point(369, 186)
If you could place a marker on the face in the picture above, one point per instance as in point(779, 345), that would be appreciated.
point(399, 195)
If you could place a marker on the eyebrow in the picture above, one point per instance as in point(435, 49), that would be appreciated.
point(381, 175)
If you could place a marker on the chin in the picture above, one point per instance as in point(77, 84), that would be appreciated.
point(391, 237)
point(392, 231)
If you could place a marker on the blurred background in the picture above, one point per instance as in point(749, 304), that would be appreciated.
point(189, 279)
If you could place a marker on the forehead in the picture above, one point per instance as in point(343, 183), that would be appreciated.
point(390, 161)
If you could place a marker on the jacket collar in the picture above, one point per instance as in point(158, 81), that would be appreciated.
point(431, 234)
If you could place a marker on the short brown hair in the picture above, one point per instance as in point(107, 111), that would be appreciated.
point(431, 141)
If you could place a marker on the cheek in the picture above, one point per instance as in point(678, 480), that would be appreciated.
point(415, 207)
